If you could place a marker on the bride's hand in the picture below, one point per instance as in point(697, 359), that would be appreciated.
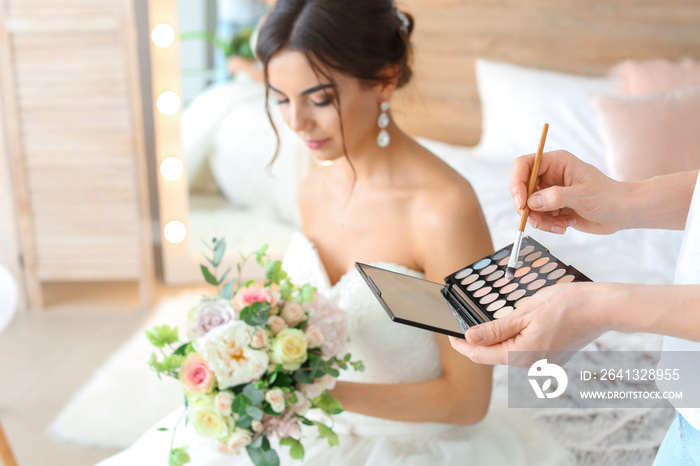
point(564, 317)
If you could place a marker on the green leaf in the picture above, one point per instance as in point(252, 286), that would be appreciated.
point(219, 250)
point(274, 272)
point(263, 456)
point(327, 402)
point(260, 253)
point(296, 451)
point(239, 404)
point(227, 290)
point(253, 395)
point(254, 412)
point(223, 277)
point(178, 456)
point(244, 421)
point(169, 365)
point(208, 276)
point(255, 314)
point(183, 349)
point(162, 335)
point(162, 429)
point(286, 289)
point(307, 293)
point(326, 432)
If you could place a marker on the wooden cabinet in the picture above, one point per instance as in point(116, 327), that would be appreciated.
point(73, 134)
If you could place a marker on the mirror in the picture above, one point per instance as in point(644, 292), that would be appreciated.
point(218, 138)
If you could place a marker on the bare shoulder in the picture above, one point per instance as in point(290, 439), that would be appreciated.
point(448, 224)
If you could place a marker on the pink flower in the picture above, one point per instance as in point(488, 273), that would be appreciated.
point(276, 399)
point(223, 401)
point(276, 324)
point(293, 314)
point(196, 375)
point(312, 390)
point(259, 340)
point(283, 426)
point(209, 314)
point(314, 337)
point(302, 405)
point(333, 324)
point(247, 296)
point(239, 439)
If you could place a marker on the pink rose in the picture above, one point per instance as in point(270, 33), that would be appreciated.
point(302, 404)
point(313, 335)
point(283, 426)
point(293, 314)
point(333, 323)
point(259, 340)
point(223, 401)
point(276, 399)
point(196, 375)
point(247, 296)
point(209, 314)
point(276, 324)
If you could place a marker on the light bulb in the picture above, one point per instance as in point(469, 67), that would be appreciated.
point(175, 231)
point(168, 103)
point(163, 35)
point(171, 168)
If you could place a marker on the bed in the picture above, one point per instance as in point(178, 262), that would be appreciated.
point(487, 76)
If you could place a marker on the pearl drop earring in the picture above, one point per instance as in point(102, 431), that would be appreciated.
point(383, 138)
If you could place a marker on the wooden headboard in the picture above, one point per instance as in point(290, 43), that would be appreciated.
point(578, 36)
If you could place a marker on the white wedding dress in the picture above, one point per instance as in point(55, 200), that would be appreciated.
point(392, 353)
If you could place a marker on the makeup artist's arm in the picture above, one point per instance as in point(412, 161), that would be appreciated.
point(571, 193)
point(568, 317)
point(461, 395)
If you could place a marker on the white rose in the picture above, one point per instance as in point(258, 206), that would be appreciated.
point(289, 349)
point(208, 422)
point(276, 399)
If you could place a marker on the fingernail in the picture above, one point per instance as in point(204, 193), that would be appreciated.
point(570, 221)
point(475, 335)
point(533, 223)
point(519, 201)
point(535, 201)
point(558, 229)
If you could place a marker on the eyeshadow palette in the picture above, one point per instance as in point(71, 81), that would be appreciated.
point(472, 295)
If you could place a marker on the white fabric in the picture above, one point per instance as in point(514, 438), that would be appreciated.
point(687, 273)
point(516, 101)
point(9, 296)
point(393, 354)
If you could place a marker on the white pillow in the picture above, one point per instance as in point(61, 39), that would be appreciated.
point(516, 101)
point(243, 147)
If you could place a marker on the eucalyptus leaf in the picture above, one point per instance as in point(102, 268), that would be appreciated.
point(261, 457)
point(208, 276)
point(255, 314)
point(219, 251)
point(254, 412)
point(253, 395)
point(227, 290)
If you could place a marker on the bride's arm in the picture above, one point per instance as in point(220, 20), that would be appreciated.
point(450, 233)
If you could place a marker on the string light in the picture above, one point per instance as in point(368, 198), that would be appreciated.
point(168, 103)
point(171, 168)
point(163, 35)
point(175, 231)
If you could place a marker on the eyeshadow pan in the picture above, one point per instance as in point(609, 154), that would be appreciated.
point(489, 298)
point(499, 255)
point(504, 261)
point(526, 250)
point(566, 279)
point(475, 285)
point(496, 275)
point(508, 288)
point(532, 256)
point(517, 294)
point(504, 311)
point(540, 261)
point(483, 291)
point(500, 282)
point(521, 271)
point(470, 279)
point(548, 267)
point(482, 263)
point(536, 284)
point(528, 278)
point(463, 273)
point(488, 270)
point(556, 274)
point(496, 305)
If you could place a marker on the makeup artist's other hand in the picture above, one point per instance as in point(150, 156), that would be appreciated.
point(564, 317)
point(569, 193)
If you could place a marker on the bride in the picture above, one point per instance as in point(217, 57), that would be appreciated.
point(332, 67)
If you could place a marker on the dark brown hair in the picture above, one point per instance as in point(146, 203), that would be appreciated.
point(355, 37)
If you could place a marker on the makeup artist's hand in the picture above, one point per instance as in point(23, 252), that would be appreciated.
point(569, 193)
point(564, 317)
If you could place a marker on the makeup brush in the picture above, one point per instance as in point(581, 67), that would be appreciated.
point(513, 262)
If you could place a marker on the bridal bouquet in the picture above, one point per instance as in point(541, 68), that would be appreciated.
point(258, 356)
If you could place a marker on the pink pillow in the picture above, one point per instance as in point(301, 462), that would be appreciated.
point(650, 135)
point(635, 77)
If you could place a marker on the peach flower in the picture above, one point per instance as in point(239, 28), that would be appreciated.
point(195, 374)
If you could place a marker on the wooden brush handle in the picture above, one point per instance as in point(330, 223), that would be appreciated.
point(533, 177)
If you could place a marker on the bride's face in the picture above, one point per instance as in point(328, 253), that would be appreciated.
point(307, 105)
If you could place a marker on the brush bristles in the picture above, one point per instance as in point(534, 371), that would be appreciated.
point(510, 272)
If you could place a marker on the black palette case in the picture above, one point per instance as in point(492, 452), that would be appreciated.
point(472, 295)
